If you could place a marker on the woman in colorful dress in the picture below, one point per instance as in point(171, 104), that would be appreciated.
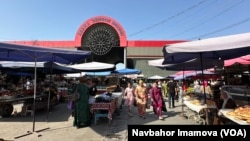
point(129, 98)
point(82, 116)
point(157, 100)
point(141, 98)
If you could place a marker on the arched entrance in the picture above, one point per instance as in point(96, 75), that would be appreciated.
point(104, 37)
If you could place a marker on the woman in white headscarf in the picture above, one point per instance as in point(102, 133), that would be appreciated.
point(226, 102)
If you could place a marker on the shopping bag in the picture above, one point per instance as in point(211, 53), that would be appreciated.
point(71, 105)
point(76, 95)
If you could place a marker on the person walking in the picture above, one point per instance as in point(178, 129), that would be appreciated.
point(129, 98)
point(82, 116)
point(164, 88)
point(172, 91)
point(141, 98)
point(157, 100)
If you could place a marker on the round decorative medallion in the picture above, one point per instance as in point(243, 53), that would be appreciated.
point(100, 38)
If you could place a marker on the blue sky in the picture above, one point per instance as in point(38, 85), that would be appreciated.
point(141, 19)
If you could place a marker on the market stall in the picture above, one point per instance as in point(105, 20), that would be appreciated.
point(197, 111)
point(7, 103)
point(119, 96)
point(239, 115)
point(103, 109)
point(106, 105)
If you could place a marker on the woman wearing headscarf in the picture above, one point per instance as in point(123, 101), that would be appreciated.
point(157, 100)
point(226, 102)
point(129, 98)
point(82, 116)
point(141, 94)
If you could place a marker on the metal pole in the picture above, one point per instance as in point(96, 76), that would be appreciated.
point(34, 101)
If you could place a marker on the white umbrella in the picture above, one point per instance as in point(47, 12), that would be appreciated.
point(93, 67)
point(156, 77)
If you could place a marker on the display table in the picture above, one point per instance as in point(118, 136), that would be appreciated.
point(119, 96)
point(197, 108)
point(195, 111)
point(238, 121)
point(110, 107)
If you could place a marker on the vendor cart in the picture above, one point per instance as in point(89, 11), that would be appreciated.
point(7, 103)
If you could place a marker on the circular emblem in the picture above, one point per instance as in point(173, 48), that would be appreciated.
point(100, 38)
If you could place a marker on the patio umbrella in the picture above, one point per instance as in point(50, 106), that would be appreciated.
point(93, 67)
point(192, 64)
point(244, 60)
point(15, 52)
point(156, 77)
point(220, 48)
point(223, 48)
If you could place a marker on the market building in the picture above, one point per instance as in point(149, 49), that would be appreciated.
point(107, 40)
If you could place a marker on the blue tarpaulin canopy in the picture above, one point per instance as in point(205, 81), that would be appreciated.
point(15, 52)
point(126, 71)
point(42, 67)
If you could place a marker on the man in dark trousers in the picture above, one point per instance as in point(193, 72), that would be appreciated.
point(172, 91)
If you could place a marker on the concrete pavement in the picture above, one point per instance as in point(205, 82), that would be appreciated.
point(60, 125)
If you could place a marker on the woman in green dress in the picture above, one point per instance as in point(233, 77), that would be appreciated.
point(82, 116)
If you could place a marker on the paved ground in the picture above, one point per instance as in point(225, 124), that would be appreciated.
point(60, 125)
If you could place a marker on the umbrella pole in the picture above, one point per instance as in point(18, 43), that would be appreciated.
point(34, 106)
point(182, 102)
point(34, 102)
point(205, 97)
point(50, 80)
point(202, 73)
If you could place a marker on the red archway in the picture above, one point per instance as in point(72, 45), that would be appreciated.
point(101, 19)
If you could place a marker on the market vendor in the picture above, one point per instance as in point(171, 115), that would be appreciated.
point(226, 102)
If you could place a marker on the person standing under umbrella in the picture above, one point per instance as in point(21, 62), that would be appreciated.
point(82, 116)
